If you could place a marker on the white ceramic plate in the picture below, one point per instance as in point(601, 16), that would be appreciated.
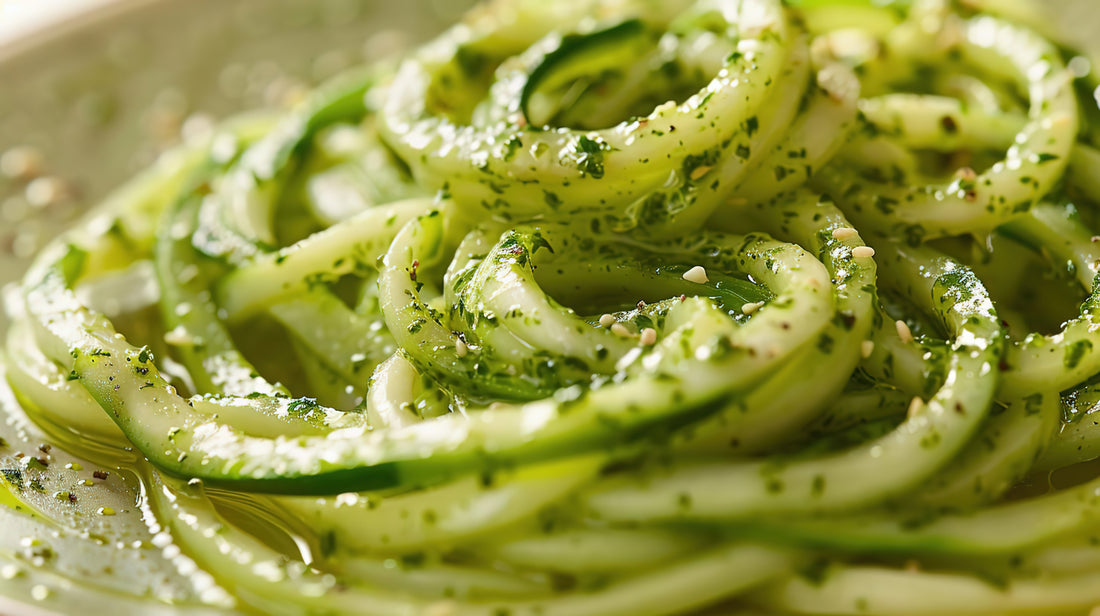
point(99, 92)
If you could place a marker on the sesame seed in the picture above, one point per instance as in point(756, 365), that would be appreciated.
point(196, 128)
point(21, 163)
point(866, 348)
point(966, 174)
point(443, 608)
point(46, 191)
point(863, 251)
point(751, 307)
point(607, 320)
point(839, 83)
point(649, 336)
point(665, 107)
point(223, 148)
point(460, 347)
point(620, 330)
point(178, 336)
point(904, 332)
point(844, 233)
point(696, 274)
point(699, 172)
point(915, 406)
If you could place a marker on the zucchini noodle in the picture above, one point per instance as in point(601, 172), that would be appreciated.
point(593, 307)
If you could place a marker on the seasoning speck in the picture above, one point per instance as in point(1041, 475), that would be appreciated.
point(866, 348)
point(699, 172)
point(46, 191)
point(915, 406)
point(751, 307)
point(904, 332)
point(21, 163)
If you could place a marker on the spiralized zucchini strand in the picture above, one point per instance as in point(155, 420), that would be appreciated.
point(591, 307)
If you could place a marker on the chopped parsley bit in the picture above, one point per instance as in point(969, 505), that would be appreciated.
point(590, 154)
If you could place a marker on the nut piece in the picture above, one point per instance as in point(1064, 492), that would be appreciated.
point(696, 274)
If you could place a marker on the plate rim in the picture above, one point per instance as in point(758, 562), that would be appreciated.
point(66, 21)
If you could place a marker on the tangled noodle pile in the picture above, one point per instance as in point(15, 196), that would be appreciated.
point(598, 307)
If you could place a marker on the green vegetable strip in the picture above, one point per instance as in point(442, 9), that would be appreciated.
point(349, 344)
point(274, 584)
point(44, 387)
point(214, 363)
point(813, 139)
point(553, 315)
point(1031, 164)
point(772, 410)
point(340, 249)
point(444, 581)
point(627, 161)
point(506, 311)
point(935, 430)
point(855, 590)
point(1060, 360)
point(456, 513)
point(919, 121)
point(1008, 445)
point(598, 550)
point(244, 201)
point(1003, 529)
point(1084, 170)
